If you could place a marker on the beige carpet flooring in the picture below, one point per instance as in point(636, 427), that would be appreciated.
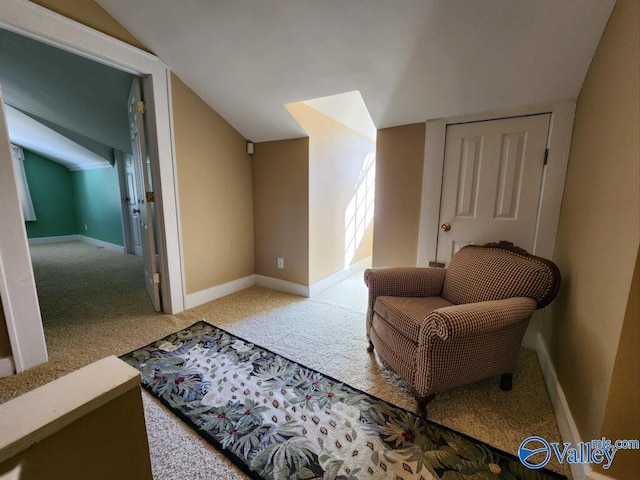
point(94, 304)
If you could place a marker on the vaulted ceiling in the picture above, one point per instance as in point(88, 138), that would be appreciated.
point(411, 60)
point(65, 107)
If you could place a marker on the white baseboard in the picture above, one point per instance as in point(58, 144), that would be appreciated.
point(58, 239)
point(102, 244)
point(314, 289)
point(82, 238)
point(337, 277)
point(282, 285)
point(199, 298)
point(7, 367)
point(566, 424)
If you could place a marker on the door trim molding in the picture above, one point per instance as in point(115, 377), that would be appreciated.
point(434, 138)
point(19, 299)
point(553, 179)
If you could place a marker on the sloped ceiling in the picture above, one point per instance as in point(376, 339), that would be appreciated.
point(80, 99)
point(412, 60)
point(349, 109)
point(34, 136)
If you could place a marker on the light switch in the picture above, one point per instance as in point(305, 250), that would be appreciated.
point(280, 263)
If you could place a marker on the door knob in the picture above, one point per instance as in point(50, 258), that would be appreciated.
point(445, 227)
point(136, 210)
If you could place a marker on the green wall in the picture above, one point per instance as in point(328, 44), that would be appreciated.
point(52, 195)
point(98, 204)
point(65, 201)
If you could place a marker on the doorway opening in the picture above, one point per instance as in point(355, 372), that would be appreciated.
point(38, 24)
point(72, 182)
point(76, 120)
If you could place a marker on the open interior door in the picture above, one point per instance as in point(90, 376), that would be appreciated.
point(144, 192)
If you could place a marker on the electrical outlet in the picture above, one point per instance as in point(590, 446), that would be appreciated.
point(85, 227)
point(280, 263)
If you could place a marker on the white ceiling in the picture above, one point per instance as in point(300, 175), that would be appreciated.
point(412, 60)
point(63, 95)
point(32, 135)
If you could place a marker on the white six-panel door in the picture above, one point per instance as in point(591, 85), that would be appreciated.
point(492, 178)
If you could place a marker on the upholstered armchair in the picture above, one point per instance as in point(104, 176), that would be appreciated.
point(441, 328)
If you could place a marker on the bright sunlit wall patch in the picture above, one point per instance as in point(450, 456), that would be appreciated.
point(358, 216)
point(342, 142)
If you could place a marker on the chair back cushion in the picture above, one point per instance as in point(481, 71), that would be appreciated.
point(482, 273)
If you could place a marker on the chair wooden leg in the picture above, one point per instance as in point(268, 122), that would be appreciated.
point(506, 382)
point(370, 347)
point(422, 401)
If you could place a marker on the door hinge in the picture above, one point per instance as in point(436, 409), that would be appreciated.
point(149, 196)
point(546, 156)
point(156, 277)
point(140, 107)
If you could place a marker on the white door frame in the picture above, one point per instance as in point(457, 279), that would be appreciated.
point(553, 177)
point(17, 283)
point(30, 20)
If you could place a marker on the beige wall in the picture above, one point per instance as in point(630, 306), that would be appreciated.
point(337, 155)
point(110, 442)
point(281, 209)
point(5, 345)
point(400, 157)
point(215, 193)
point(92, 15)
point(599, 231)
point(622, 413)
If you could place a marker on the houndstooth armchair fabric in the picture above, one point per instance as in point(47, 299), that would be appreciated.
point(442, 328)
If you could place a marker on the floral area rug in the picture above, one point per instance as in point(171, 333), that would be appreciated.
point(277, 419)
